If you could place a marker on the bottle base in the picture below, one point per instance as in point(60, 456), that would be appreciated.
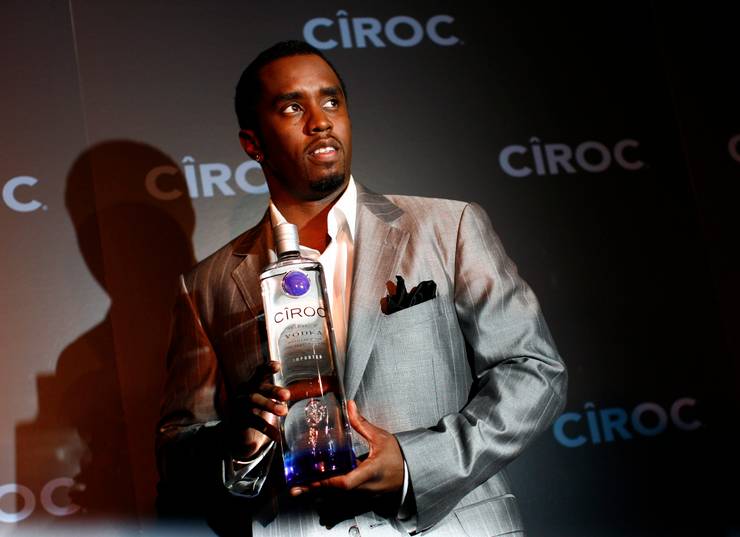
point(307, 467)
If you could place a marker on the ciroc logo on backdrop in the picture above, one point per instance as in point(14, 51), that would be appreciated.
point(733, 146)
point(46, 497)
point(555, 158)
point(18, 197)
point(206, 179)
point(575, 429)
point(361, 32)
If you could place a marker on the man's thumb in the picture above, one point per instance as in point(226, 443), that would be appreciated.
point(359, 423)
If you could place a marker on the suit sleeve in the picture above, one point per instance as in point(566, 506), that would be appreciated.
point(193, 459)
point(519, 380)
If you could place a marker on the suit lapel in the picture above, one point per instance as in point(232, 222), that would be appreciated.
point(379, 247)
point(254, 247)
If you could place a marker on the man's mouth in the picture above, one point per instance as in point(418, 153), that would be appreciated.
point(325, 152)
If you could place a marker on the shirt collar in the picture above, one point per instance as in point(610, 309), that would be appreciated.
point(343, 212)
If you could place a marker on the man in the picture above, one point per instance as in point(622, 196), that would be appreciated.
point(445, 392)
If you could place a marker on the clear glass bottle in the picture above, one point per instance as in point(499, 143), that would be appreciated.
point(316, 437)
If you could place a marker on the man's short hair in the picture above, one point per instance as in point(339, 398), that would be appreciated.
point(248, 89)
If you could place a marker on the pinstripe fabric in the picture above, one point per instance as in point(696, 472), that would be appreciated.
point(465, 380)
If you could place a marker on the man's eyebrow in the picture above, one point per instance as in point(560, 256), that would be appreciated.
point(290, 96)
point(331, 91)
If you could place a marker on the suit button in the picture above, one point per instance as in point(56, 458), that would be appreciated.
point(354, 531)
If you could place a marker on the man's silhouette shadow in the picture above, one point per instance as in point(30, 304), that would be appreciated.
point(97, 412)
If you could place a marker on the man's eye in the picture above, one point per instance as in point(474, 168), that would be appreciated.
point(332, 103)
point(292, 108)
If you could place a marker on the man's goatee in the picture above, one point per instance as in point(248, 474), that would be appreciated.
point(328, 184)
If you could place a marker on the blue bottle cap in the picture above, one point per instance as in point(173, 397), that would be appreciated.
point(296, 283)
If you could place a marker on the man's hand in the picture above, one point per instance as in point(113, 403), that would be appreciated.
point(262, 406)
point(381, 474)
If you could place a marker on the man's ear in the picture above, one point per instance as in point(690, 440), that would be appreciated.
point(250, 144)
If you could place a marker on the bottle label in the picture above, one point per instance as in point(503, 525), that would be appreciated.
point(297, 313)
point(303, 349)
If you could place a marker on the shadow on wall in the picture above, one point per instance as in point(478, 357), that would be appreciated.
point(98, 411)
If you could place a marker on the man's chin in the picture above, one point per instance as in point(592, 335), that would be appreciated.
point(327, 185)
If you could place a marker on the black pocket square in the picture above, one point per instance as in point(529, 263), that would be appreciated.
point(401, 299)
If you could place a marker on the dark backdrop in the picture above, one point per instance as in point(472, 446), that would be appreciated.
point(604, 142)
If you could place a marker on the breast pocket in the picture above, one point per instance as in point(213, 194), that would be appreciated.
point(416, 325)
point(405, 366)
point(418, 313)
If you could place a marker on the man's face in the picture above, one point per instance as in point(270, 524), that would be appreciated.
point(304, 133)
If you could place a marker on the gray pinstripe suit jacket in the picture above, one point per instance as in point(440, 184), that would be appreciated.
point(465, 380)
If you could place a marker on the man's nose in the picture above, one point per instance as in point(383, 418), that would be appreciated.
point(318, 121)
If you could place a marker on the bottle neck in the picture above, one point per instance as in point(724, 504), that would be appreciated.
point(291, 254)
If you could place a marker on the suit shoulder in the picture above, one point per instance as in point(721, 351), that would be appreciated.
point(223, 261)
point(431, 214)
point(415, 204)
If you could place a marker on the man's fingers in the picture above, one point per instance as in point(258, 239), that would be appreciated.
point(253, 434)
point(263, 426)
point(270, 367)
point(261, 402)
point(273, 366)
point(297, 491)
point(361, 477)
point(274, 392)
point(358, 423)
point(269, 417)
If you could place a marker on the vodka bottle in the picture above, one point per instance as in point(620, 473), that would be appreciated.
point(316, 437)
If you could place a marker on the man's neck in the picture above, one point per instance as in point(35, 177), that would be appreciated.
point(309, 216)
point(311, 221)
